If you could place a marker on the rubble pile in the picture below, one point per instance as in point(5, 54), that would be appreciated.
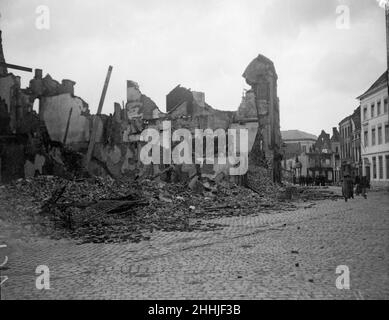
point(259, 179)
point(104, 210)
point(316, 194)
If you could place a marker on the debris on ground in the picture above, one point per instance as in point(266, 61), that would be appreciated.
point(104, 210)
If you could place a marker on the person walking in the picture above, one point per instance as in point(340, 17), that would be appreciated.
point(347, 187)
point(364, 185)
point(358, 189)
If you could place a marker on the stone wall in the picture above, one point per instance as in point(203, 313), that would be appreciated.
point(54, 112)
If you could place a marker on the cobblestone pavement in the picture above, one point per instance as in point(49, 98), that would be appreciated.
point(288, 255)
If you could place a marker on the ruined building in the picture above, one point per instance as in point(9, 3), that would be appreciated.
point(55, 139)
point(260, 109)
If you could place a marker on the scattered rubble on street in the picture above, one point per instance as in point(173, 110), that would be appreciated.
point(74, 175)
point(106, 210)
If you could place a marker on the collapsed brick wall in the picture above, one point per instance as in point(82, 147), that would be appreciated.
point(31, 143)
point(117, 151)
point(55, 140)
point(263, 98)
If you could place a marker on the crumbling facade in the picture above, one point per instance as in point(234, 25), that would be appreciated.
point(261, 108)
point(54, 139)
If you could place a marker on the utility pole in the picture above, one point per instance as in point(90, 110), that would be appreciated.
point(387, 41)
point(387, 31)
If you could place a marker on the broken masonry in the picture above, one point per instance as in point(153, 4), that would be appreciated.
point(45, 129)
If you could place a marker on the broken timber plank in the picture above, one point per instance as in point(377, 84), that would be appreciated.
point(67, 127)
point(103, 207)
point(253, 189)
point(170, 168)
point(93, 137)
point(16, 67)
point(104, 166)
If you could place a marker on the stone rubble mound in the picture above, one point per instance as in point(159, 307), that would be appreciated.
point(104, 210)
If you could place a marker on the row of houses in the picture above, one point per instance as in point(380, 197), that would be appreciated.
point(308, 157)
point(358, 147)
point(365, 136)
point(374, 132)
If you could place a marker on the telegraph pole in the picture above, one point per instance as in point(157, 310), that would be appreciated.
point(387, 31)
point(387, 41)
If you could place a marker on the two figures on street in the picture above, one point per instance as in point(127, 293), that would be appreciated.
point(361, 185)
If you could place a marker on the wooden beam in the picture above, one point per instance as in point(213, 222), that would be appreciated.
point(67, 127)
point(102, 98)
point(16, 67)
point(93, 137)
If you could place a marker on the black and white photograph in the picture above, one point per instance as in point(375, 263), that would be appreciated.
point(194, 156)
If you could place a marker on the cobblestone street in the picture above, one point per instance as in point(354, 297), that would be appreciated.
point(288, 255)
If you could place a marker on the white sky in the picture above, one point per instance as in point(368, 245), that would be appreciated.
point(205, 45)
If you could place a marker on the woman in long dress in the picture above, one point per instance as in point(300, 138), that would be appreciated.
point(347, 188)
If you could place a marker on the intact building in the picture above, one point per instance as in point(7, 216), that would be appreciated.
point(350, 144)
point(304, 139)
point(320, 159)
point(375, 132)
point(336, 161)
point(296, 145)
point(306, 155)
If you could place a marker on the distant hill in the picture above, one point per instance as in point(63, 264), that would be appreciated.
point(297, 135)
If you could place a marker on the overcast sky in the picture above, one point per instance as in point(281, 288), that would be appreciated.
point(205, 45)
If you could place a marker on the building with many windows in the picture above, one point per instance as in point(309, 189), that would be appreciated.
point(305, 156)
point(336, 159)
point(320, 159)
point(350, 144)
point(375, 132)
point(304, 139)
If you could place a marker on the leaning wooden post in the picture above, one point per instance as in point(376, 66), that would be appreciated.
point(93, 137)
point(67, 127)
